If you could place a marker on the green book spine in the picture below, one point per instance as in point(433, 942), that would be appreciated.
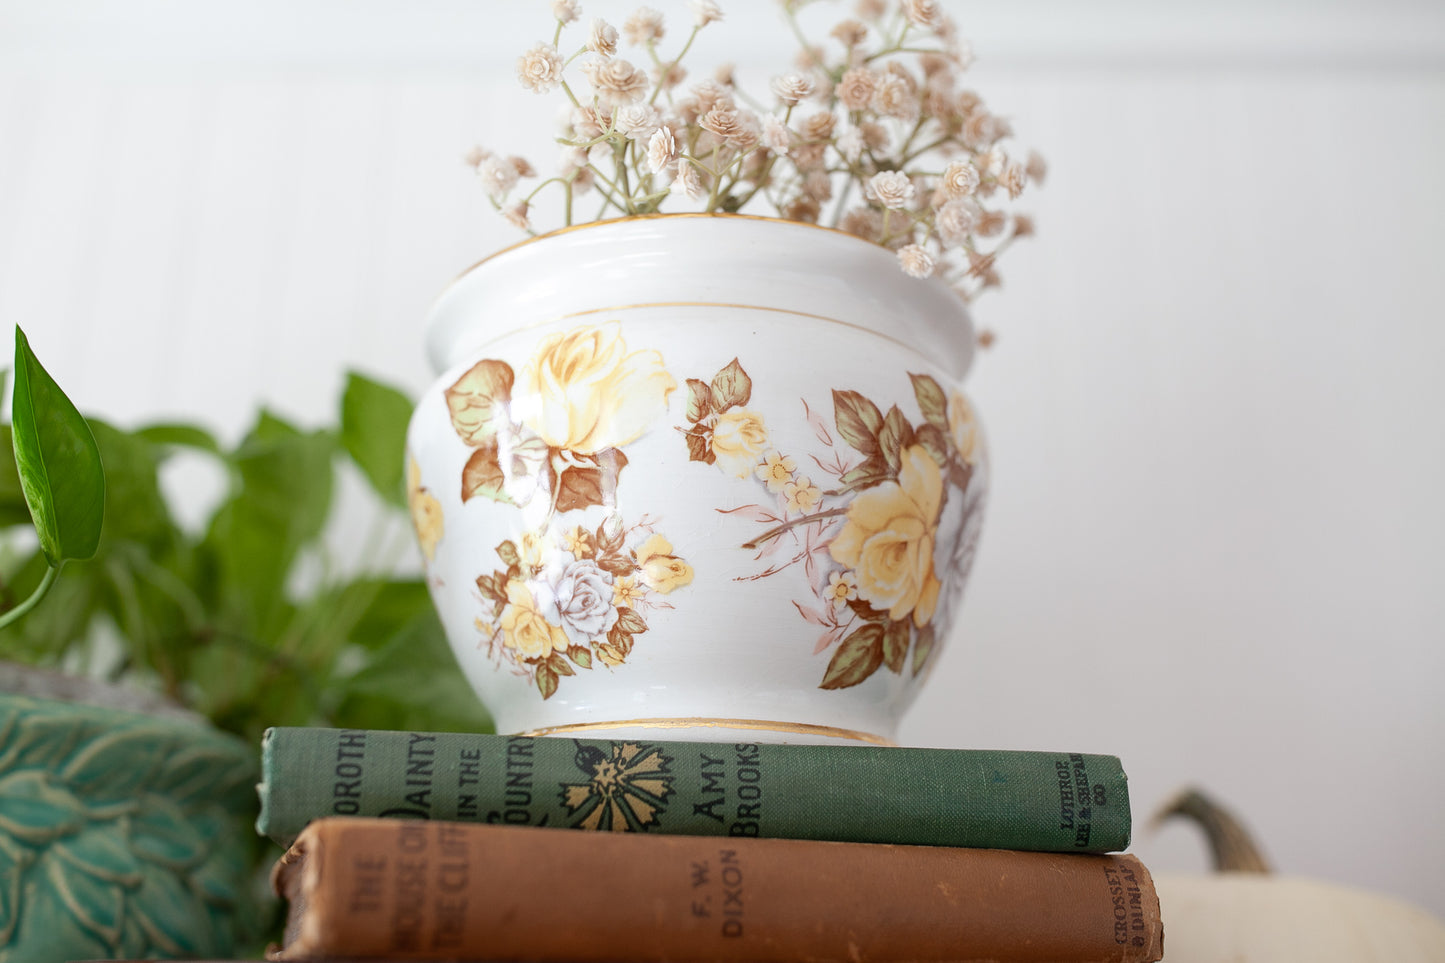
point(1042, 801)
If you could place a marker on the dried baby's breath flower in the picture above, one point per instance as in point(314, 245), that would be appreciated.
point(498, 176)
point(1013, 178)
point(540, 69)
point(850, 32)
point(777, 136)
point(804, 209)
point(705, 12)
point(891, 189)
point(960, 179)
point(589, 122)
point(871, 9)
point(637, 121)
point(475, 155)
point(891, 121)
point(936, 65)
point(521, 166)
point(668, 76)
point(644, 26)
point(875, 136)
point(1036, 168)
point(819, 126)
point(517, 216)
point(990, 223)
point(923, 13)
point(602, 38)
point(955, 221)
point(863, 222)
point(809, 58)
point(661, 150)
point(849, 143)
point(617, 82)
point(791, 88)
point(855, 90)
point(986, 338)
point(915, 261)
point(726, 122)
point(687, 183)
point(893, 98)
point(810, 157)
point(818, 185)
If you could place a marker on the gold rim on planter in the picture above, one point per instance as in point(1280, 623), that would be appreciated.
point(796, 728)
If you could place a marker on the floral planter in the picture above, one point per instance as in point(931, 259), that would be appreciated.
point(710, 474)
point(122, 835)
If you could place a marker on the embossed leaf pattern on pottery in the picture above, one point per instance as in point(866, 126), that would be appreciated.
point(571, 591)
point(120, 836)
point(890, 496)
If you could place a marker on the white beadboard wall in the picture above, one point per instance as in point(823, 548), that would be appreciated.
point(1214, 543)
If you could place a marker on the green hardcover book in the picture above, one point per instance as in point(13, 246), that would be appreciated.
point(1042, 801)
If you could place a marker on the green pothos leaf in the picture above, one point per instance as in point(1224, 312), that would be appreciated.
point(58, 461)
point(374, 418)
point(858, 657)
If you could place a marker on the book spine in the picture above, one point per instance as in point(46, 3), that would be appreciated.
point(411, 889)
point(1039, 801)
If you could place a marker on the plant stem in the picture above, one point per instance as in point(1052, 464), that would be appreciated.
point(773, 533)
point(18, 612)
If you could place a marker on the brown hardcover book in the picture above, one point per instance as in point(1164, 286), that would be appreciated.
point(411, 889)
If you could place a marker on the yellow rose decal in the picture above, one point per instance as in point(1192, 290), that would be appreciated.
point(739, 440)
point(963, 426)
point(426, 511)
point(524, 629)
point(584, 392)
point(661, 569)
point(888, 539)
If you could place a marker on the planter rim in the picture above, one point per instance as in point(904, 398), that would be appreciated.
point(635, 218)
point(828, 274)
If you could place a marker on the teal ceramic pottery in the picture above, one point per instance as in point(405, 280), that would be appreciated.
point(121, 834)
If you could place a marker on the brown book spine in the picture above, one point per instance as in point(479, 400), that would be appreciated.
point(411, 889)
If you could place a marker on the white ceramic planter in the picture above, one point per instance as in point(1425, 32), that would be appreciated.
point(701, 477)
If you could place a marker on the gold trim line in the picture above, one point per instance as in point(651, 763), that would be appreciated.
point(544, 322)
point(796, 728)
point(573, 228)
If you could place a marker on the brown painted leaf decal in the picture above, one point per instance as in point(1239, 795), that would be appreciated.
point(483, 476)
point(585, 487)
point(699, 446)
point(858, 657)
point(581, 655)
point(896, 435)
point(546, 680)
point(859, 421)
point(630, 622)
point(478, 401)
point(934, 441)
point(731, 386)
point(699, 400)
point(931, 401)
point(923, 649)
point(895, 645)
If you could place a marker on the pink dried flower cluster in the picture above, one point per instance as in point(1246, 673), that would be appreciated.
point(872, 131)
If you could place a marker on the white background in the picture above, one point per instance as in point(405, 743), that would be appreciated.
point(1215, 408)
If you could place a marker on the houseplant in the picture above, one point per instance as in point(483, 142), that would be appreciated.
point(133, 695)
point(691, 467)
